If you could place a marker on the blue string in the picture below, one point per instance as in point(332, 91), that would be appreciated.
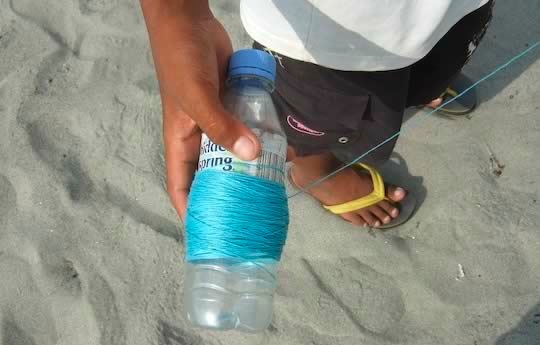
point(235, 216)
point(395, 135)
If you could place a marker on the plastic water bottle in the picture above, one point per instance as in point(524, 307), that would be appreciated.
point(230, 294)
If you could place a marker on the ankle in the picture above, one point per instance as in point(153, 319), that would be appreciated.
point(310, 168)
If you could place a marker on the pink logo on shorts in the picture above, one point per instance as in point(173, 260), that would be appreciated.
point(300, 127)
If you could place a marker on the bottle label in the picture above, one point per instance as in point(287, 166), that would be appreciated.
point(269, 165)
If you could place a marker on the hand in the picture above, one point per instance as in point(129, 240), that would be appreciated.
point(191, 51)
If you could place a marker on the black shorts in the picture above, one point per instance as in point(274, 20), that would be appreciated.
point(348, 113)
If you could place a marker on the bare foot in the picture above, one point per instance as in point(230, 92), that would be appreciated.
point(435, 103)
point(346, 186)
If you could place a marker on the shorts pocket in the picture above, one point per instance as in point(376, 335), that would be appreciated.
point(318, 118)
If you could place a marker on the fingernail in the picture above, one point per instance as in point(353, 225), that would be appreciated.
point(244, 148)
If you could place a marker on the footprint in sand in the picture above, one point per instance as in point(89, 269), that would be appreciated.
point(61, 276)
point(25, 313)
point(7, 36)
point(140, 131)
point(62, 73)
point(48, 299)
point(483, 253)
point(13, 334)
point(119, 58)
point(141, 214)
point(24, 45)
point(76, 292)
point(88, 6)
point(54, 17)
point(339, 299)
point(58, 149)
point(8, 200)
point(125, 16)
point(171, 335)
point(359, 290)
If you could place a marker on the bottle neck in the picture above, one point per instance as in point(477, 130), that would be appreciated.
point(250, 81)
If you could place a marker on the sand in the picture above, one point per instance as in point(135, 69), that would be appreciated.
point(91, 251)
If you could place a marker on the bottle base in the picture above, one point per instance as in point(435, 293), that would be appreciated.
point(229, 297)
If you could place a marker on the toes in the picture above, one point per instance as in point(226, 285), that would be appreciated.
point(389, 208)
point(354, 218)
point(381, 214)
point(396, 193)
point(435, 103)
point(370, 219)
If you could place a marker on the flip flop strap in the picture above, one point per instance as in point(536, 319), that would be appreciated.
point(375, 197)
point(449, 91)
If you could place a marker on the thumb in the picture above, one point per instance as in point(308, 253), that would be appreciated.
point(223, 129)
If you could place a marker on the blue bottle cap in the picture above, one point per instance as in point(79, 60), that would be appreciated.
point(252, 62)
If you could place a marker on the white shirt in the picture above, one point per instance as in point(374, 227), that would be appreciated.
point(353, 35)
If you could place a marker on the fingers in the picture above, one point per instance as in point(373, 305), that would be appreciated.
point(219, 125)
point(182, 139)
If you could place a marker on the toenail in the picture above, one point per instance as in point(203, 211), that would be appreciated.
point(395, 212)
point(399, 191)
point(386, 220)
point(377, 224)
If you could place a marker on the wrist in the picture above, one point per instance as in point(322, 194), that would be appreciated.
point(156, 11)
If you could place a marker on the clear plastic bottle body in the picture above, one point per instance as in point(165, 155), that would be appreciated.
point(225, 294)
point(248, 99)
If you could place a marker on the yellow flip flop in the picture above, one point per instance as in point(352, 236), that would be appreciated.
point(465, 104)
point(406, 206)
point(461, 106)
